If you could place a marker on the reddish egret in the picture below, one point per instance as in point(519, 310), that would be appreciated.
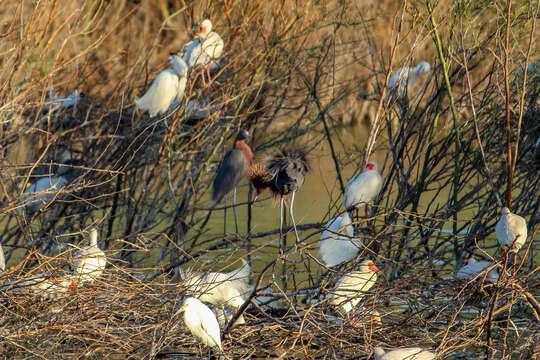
point(283, 175)
point(475, 268)
point(89, 261)
point(337, 244)
point(167, 87)
point(202, 322)
point(350, 289)
point(403, 79)
point(363, 188)
point(205, 50)
point(412, 353)
point(231, 170)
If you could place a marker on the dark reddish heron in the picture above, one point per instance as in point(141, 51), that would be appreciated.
point(283, 175)
point(231, 170)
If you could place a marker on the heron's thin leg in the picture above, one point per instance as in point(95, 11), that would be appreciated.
point(224, 214)
point(282, 247)
point(234, 210)
point(292, 218)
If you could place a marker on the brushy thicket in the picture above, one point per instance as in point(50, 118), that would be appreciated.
point(291, 72)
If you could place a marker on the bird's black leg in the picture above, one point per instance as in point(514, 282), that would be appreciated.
point(234, 211)
point(292, 218)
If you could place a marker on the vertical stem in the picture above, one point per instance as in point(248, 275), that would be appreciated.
point(507, 105)
point(448, 88)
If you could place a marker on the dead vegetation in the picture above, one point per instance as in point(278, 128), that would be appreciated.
point(290, 73)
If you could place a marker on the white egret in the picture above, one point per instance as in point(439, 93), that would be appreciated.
point(350, 289)
point(412, 353)
point(337, 245)
point(363, 188)
point(167, 87)
point(89, 261)
point(475, 268)
point(205, 50)
point(202, 322)
point(511, 230)
point(403, 79)
point(230, 288)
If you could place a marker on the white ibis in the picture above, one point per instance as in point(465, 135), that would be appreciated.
point(44, 286)
point(403, 79)
point(363, 188)
point(205, 50)
point(475, 268)
point(412, 353)
point(511, 230)
point(168, 86)
point(350, 289)
point(89, 261)
point(202, 322)
point(283, 175)
point(337, 244)
point(230, 288)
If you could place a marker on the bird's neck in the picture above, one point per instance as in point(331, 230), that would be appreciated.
point(244, 148)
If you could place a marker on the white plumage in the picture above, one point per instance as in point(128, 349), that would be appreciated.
point(412, 353)
point(202, 322)
point(2, 260)
point(404, 78)
point(475, 268)
point(167, 87)
point(230, 288)
point(350, 289)
point(42, 192)
point(511, 230)
point(363, 188)
point(90, 261)
point(204, 50)
point(334, 248)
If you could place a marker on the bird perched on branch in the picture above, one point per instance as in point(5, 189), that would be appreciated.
point(48, 187)
point(337, 244)
point(205, 50)
point(403, 79)
point(475, 268)
point(167, 87)
point(363, 188)
point(230, 288)
point(511, 230)
point(202, 322)
point(283, 174)
point(412, 353)
point(350, 289)
point(89, 261)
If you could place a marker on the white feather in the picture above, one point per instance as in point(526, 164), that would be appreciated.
point(42, 192)
point(350, 289)
point(476, 268)
point(404, 78)
point(511, 229)
point(412, 353)
point(335, 249)
point(202, 322)
point(168, 86)
point(363, 187)
point(90, 261)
